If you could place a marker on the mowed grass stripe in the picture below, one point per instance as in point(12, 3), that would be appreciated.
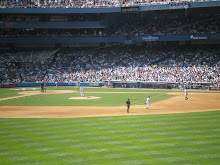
point(54, 137)
point(115, 140)
point(56, 151)
point(85, 146)
point(30, 146)
point(88, 139)
point(25, 155)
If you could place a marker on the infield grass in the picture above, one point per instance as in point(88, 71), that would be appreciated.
point(107, 99)
point(5, 92)
point(173, 139)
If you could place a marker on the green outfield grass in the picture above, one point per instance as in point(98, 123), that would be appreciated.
point(107, 99)
point(174, 139)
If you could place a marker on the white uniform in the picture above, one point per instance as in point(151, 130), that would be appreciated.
point(109, 83)
point(56, 84)
point(148, 102)
point(78, 83)
point(82, 91)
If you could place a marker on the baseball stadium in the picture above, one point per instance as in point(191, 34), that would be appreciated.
point(100, 82)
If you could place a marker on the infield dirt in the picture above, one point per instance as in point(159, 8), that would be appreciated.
point(197, 102)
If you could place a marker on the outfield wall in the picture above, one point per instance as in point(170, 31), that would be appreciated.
point(128, 84)
point(60, 84)
point(49, 84)
point(214, 88)
point(157, 85)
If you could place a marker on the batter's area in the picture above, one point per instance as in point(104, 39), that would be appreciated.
point(197, 102)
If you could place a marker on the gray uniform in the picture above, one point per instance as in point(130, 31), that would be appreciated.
point(148, 102)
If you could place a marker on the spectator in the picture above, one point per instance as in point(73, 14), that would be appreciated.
point(131, 64)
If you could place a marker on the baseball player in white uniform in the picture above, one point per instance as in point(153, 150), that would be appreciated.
point(56, 84)
point(185, 92)
point(147, 102)
point(109, 83)
point(82, 91)
point(78, 84)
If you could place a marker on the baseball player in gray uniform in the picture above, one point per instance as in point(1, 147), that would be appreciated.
point(186, 93)
point(82, 91)
point(147, 102)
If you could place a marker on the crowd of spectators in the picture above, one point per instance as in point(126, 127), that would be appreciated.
point(169, 27)
point(90, 32)
point(121, 64)
point(141, 28)
point(84, 4)
point(24, 66)
point(52, 18)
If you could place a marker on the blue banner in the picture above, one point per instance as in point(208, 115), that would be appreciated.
point(205, 4)
point(52, 84)
point(128, 42)
point(154, 7)
point(150, 38)
point(199, 37)
point(133, 9)
point(184, 5)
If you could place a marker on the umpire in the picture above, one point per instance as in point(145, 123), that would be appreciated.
point(42, 86)
point(128, 105)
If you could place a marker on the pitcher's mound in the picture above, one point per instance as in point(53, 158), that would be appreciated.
point(84, 98)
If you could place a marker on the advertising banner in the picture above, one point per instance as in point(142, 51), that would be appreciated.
point(199, 37)
point(134, 9)
point(94, 84)
point(150, 38)
point(8, 85)
point(214, 88)
point(179, 6)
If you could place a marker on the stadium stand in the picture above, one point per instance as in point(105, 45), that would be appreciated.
point(98, 41)
point(201, 26)
point(82, 4)
point(121, 64)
